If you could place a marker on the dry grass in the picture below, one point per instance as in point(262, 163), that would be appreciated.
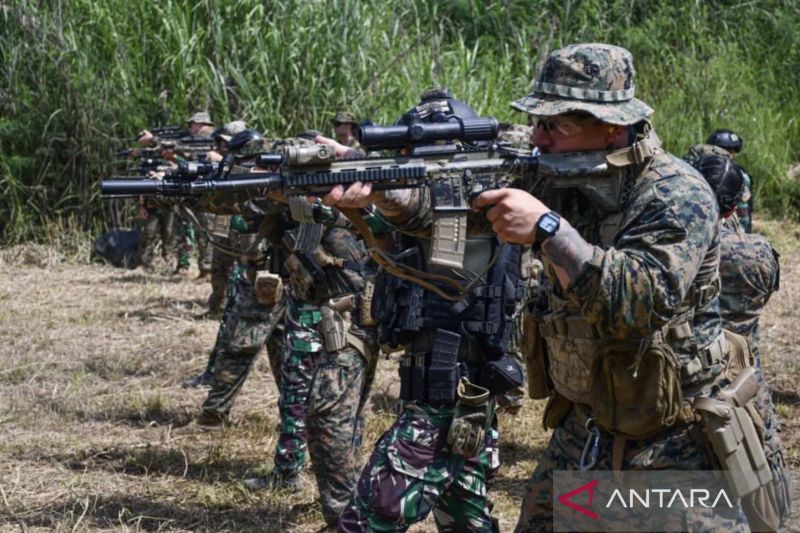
point(92, 358)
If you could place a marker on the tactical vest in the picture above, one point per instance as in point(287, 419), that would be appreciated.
point(611, 374)
point(324, 263)
point(445, 340)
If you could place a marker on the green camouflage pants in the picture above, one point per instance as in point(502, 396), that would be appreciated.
point(411, 472)
point(205, 250)
point(322, 394)
point(160, 223)
point(301, 348)
point(676, 450)
point(247, 326)
point(186, 242)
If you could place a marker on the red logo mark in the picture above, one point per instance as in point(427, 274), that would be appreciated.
point(564, 499)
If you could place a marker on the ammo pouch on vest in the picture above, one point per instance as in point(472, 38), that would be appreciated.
point(268, 287)
point(432, 377)
point(636, 394)
point(501, 375)
point(539, 384)
point(471, 418)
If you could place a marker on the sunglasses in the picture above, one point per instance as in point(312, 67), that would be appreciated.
point(562, 125)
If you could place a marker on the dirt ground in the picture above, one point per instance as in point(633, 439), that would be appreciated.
point(92, 361)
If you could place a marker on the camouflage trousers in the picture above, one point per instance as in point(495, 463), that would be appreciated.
point(205, 250)
point(411, 472)
point(221, 267)
point(246, 327)
point(301, 348)
point(322, 395)
point(675, 450)
point(185, 236)
point(160, 223)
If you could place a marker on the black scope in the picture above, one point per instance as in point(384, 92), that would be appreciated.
point(195, 168)
point(129, 187)
point(269, 160)
point(468, 129)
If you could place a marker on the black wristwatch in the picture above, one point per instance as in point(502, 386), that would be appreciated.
point(547, 226)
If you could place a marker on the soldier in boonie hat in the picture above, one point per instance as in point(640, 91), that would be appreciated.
point(587, 78)
point(201, 117)
point(344, 128)
point(344, 117)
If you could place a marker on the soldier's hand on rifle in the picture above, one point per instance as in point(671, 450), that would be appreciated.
point(213, 156)
point(143, 214)
point(357, 195)
point(342, 151)
point(513, 215)
point(145, 138)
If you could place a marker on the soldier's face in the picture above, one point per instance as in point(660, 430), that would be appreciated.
point(344, 132)
point(568, 133)
point(194, 128)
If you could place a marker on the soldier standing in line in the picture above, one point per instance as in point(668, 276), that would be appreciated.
point(328, 352)
point(633, 282)
point(729, 141)
point(221, 262)
point(441, 453)
point(200, 128)
point(749, 274)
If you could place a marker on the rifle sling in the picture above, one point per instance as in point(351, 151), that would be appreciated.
point(404, 272)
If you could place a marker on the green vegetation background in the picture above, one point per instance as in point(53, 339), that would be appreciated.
point(79, 77)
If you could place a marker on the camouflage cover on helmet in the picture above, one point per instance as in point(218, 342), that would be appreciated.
point(258, 146)
point(592, 78)
point(231, 129)
point(698, 151)
point(201, 117)
point(344, 117)
point(517, 135)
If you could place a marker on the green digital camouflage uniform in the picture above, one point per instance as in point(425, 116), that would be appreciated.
point(186, 239)
point(657, 257)
point(750, 273)
point(301, 349)
point(412, 470)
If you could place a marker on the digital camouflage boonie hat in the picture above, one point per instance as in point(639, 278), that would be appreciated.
point(591, 78)
point(200, 118)
point(344, 117)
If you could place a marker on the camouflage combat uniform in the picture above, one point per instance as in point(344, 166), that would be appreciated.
point(324, 374)
point(186, 238)
point(246, 328)
point(413, 469)
point(160, 223)
point(651, 282)
point(744, 208)
point(246, 324)
point(750, 273)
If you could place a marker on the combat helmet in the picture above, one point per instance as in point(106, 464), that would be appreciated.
point(726, 139)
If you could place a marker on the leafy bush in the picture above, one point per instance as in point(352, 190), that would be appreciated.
point(80, 77)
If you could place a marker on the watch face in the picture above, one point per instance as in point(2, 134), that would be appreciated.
point(549, 223)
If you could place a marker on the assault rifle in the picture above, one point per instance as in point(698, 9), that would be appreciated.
point(454, 173)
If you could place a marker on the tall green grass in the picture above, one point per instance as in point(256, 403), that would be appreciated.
point(80, 77)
